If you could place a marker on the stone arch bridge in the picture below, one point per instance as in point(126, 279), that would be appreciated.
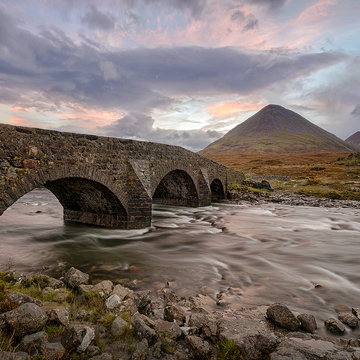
point(106, 181)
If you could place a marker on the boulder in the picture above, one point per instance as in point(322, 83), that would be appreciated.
point(120, 291)
point(112, 302)
point(348, 319)
point(263, 185)
point(103, 288)
point(25, 320)
point(53, 351)
point(356, 312)
point(61, 296)
point(308, 322)
point(56, 313)
point(142, 300)
point(334, 326)
point(144, 331)
point(143, 317)
point(205, 323)
point(5, 355)
point(198, 346)
point(92, 351)
point(32, 344)
point(118, 326)
point(167, 329)
point(77, 337)
point(85, 289)
point(74, 278)
point(168, 346)
point(281, 316)
point(173, 313)
point(20, 299)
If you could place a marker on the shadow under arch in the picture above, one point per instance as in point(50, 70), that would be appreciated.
point(87, 196)
point(176, 188)
point(217, 190)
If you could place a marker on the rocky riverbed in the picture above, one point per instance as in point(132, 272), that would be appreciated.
point(70, 318)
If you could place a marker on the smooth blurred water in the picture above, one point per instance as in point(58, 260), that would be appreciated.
point(266, 253)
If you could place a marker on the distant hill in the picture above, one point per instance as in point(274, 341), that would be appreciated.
point(277, 130)
point(354, 140)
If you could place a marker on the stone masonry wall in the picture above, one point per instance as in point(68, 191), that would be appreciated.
point(122, 174)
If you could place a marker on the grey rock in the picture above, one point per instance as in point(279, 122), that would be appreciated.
point(5, 355)
point(281, 316)
point(141, 351)
point(348, 319)
point(85, 289)
point(56, 313)
point(103, 288)
point(263, 185)
point(53, 351)
point(167, 329)
point(118, 326)
point(112, 302)
point(173, 313)
point(287, 354)
point(77, 337)
point(25, 320)
point(74, 278)
point(144, 331)
point(147, 320)
point(92, 351)
point(61, 296)
point(205, 323)
point(81, 314)
point(198, 346)
point(120, 291)
point(248, 329)
point(20, 299)
point(169, 346)
point(334, 326)
point(308, 322)
point(143, 299)
point(186, 330)
point(356, 312)
point(33, 343)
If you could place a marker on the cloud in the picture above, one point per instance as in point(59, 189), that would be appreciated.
point(139, 126)
point(250, 22)
point(272, 5)
point(356, 111)
point(95, 19)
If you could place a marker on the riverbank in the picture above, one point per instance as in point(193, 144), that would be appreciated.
point(47, 318)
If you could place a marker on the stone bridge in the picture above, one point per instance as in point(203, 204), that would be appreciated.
point(106, 181)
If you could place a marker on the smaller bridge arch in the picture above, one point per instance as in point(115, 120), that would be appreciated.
point(217, 190)
point(176, 188)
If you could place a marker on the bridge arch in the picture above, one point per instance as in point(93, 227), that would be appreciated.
point(217, 190)
point(177, 187)
point(86, 195)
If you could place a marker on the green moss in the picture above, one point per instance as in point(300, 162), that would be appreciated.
point(228, 350)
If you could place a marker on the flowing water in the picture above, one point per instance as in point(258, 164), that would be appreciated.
point(306, 257)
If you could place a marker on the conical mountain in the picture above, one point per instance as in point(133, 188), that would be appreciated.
point(277, 130)
point(354, 140)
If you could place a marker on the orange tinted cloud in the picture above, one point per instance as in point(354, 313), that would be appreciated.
point(230, 108)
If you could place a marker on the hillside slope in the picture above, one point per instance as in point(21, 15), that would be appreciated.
point(354, 140)
point(277, 130)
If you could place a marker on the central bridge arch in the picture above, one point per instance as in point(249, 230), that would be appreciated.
point(176, 188)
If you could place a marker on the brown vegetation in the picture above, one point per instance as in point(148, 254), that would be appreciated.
point(334, 175)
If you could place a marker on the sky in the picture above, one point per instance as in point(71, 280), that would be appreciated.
point(181, 72)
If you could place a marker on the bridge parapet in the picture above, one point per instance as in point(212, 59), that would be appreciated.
point(106, 181)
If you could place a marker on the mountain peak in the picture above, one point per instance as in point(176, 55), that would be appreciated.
point(354, 139)
point(277, 129)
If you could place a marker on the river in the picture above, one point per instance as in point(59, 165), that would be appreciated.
point(306, 257)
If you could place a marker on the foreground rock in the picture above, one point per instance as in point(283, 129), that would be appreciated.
point(25, 320)
point(20, 299)
point(334, 326)
point(74, 278)
point(348, 319)
point(77, 337)
point(308, 322)
point(281, 316)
